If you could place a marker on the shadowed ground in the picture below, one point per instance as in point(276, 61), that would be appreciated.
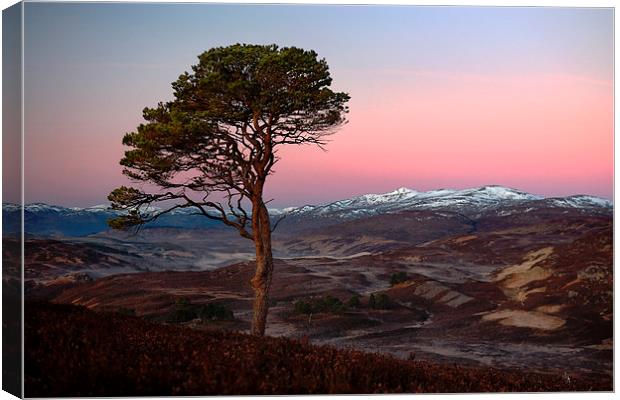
point(71, 351)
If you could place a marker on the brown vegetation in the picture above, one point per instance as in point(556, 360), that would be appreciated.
point(73, 351)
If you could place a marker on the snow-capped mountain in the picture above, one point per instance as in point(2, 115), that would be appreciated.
point(47, 219)
point(473, 200)
point(47, 208)
point(100, 208)
point(581, 201)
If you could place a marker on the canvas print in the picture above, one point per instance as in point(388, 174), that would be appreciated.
point(224, 199)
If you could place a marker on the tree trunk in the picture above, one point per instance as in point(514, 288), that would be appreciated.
point(264, 267)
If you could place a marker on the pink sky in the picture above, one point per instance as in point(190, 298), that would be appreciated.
point(536, 133)
point(441, 97)
point(544, 134)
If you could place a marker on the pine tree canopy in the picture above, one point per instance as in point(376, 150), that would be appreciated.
point(221, 132)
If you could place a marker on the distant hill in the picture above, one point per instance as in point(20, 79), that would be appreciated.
point(49, 220)
point(467, 201)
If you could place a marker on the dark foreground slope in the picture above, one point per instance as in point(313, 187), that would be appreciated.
point(72, 351)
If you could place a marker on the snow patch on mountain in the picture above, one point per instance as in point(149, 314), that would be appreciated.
point(10, 207)
point(480, 198)
point(581, 201)
point(42, 207)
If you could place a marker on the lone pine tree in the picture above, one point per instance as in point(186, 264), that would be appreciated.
point(213, 146)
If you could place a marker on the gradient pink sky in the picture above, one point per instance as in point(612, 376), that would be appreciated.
point(547, 134)
point(441, 97)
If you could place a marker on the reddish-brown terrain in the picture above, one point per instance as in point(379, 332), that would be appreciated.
point(72, 351)
point(525, 284)
point(536, 296)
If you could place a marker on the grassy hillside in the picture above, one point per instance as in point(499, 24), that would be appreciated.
point(72, 351)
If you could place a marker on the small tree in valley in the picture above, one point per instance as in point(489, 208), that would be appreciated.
point(213, 146)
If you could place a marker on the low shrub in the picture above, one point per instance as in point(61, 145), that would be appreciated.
point(330, 304)
point(126, 311)
point(215, 312)
point(327, 304)
point(185, 311)
point(398, 277)
point(354, 301)
point(379, 302)
point(302, 307)
point(383, 302)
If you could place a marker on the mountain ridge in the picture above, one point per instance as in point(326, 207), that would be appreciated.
point(498, 192)
point(41, 218)
point(483, 197)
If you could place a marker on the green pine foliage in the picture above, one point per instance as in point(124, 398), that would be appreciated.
point(227, 117)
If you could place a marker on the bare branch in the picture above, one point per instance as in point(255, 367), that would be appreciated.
point(275, 225)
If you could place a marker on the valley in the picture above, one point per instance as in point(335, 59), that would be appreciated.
point(501, 279)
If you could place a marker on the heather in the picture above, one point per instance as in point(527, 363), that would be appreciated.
point(73, 351)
